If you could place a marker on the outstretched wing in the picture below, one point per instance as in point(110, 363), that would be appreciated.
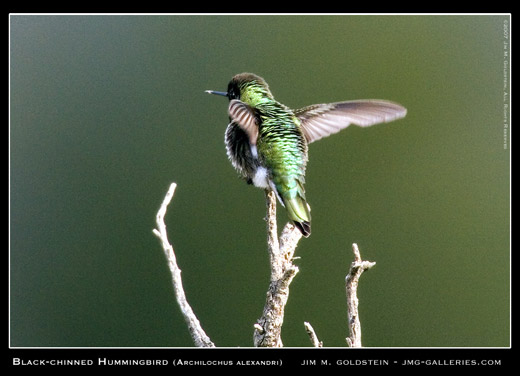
point(322, 120)
point(244, 116)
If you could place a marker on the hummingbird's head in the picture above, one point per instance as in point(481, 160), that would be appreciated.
point(248, 88)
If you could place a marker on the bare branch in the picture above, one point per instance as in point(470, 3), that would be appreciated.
point(281, 251)
point(351, 283)
point(272, 227)
point(197, 333)
point(267, 331)
point(312, 335)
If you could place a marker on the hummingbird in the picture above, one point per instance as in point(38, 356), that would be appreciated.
point(267, 142)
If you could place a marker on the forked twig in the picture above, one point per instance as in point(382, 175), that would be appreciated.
point(357, 268)
point(197, 333)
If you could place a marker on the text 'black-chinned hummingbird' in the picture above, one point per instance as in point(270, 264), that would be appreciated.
point(267, 142)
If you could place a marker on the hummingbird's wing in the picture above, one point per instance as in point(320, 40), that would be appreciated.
point(322, 120)
point(244, 116)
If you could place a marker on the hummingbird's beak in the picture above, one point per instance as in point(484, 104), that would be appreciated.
point(223, 93)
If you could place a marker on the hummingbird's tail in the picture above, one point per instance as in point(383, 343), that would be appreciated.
point(304, 227)
point(300, 213)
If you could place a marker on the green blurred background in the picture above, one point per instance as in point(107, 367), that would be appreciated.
point(106, 111)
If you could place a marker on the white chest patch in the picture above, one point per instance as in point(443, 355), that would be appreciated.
point(261, 179)
point(254, 151)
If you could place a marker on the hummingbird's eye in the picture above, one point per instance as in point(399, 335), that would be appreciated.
point(233, 92)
